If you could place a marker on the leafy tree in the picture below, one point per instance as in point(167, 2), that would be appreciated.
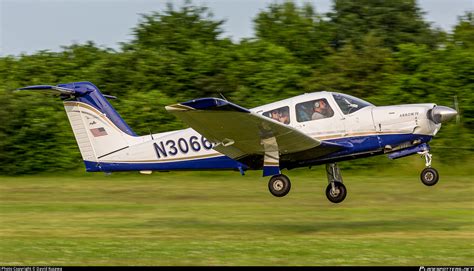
point(395, 22)
point(176, 29)
point(363, 72)
point(464, 31)
point(145, 112)
point(263, 72)
point(301, 30)
point(36, 135)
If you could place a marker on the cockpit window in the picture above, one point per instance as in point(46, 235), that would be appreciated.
point(349, 104)
point(281, 114)
point(313, 110)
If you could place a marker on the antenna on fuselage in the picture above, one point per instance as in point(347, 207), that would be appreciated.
point(222, 96)
point(151, 134)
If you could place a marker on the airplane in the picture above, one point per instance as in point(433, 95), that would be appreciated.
point(302, 131)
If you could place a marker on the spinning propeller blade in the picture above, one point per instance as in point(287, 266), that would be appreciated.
point(456, 107)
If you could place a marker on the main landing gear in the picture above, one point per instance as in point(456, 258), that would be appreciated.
point(429, 176)
point(280, 185)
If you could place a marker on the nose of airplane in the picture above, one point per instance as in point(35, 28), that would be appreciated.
point(442, 114)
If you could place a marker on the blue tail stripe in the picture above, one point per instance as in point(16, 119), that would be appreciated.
point(93, 97)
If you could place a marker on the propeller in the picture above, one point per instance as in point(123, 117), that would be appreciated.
point(456, 107)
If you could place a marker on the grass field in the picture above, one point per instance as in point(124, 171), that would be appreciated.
point(222, 218)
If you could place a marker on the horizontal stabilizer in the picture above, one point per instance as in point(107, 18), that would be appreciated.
point(51, 88)
point(62, 90)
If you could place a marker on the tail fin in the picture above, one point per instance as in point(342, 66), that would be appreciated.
point(98, 128)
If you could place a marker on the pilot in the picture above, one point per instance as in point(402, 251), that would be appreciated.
point(320, 110)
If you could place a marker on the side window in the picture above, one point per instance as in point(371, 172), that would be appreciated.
point(313, 110)
point(281, 114)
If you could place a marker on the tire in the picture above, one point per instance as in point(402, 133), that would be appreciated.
point(279, 185)
point(429, 176)
point(340, 194)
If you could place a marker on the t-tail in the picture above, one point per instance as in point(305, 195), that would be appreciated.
point(99, 130)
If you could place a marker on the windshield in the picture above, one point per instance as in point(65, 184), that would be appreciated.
point(349, 104)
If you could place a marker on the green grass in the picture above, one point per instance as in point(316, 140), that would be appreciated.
point(222, 218)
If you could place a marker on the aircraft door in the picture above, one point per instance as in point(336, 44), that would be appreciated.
point(361, 131)
point(360, 123)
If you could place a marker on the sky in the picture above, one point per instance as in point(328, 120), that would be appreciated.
point(27, 26)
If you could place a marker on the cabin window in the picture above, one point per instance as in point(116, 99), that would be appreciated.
point(313, 110)
point(281, 114)
point(349, 104)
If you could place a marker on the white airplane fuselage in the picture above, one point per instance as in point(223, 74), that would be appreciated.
point(371, 130)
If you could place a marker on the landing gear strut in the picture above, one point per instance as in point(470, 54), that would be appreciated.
point(335, 191)
point(279, 185)
point(429, 176)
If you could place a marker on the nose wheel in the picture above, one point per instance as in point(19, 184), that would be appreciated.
point(335, 191)
point(279, 185)
point(429, 176)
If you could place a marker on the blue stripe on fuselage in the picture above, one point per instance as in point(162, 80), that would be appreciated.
point(213, 163)
point(360, 147)
point(363, 144)
point(352, 147)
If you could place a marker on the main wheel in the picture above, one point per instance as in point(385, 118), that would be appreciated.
point(279, 185)
point(338, 194)
point(429, 176)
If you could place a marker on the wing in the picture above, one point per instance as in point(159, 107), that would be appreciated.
point(238, 132)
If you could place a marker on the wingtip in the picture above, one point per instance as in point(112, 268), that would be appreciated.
point(178, 107)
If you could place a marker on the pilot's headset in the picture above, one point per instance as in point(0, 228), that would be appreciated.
point(317, 104)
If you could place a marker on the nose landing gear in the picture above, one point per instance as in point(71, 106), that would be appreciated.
point(335, 191)
point(429, 176)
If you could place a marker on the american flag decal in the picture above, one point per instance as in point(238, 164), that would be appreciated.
point(96, 132)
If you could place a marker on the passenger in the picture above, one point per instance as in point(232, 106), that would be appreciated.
point(303, 114)
point(284, 118)
point(276, 115)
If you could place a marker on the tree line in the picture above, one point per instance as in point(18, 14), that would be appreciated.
point(382, 51)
